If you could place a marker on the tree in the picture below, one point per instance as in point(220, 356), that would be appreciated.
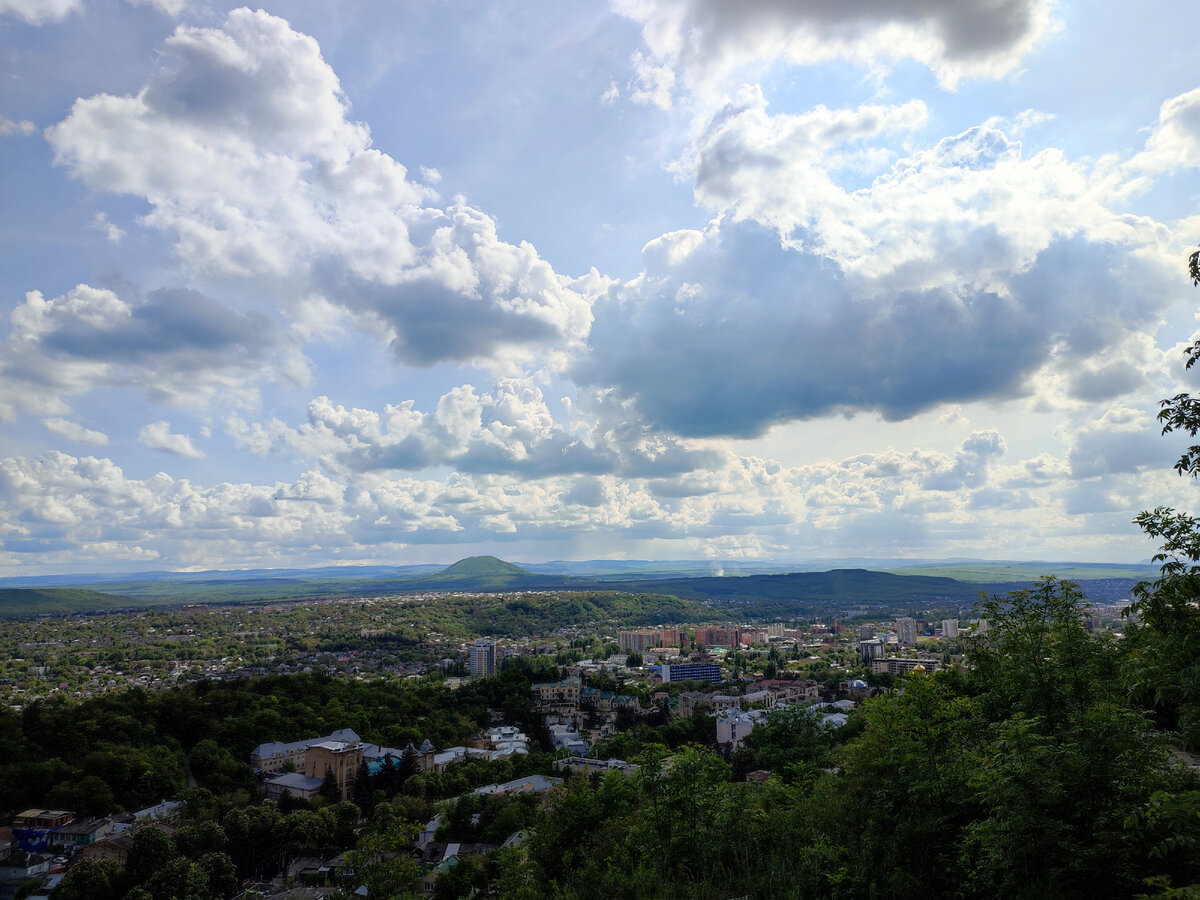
point(329, 787)
point(381, 861)
point(88, 879)
point(151, 851)
point(1165, 646)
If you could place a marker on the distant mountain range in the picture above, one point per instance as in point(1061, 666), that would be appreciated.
point(781, 593)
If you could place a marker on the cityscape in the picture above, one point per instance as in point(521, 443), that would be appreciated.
point(633, 450)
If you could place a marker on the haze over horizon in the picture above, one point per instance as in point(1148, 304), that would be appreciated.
point(324, 284)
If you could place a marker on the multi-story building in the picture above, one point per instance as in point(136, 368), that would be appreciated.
point(710, 672)
point(872, 650)
point(274, 756)
point(644, 639)
point(341, 758)
point(949, 628)
point(906, 631)
point(710, 636)
point(671, 637)
point(733, 725)
point(639, 640)
point(897, 666)
point(482, 659)
point(558, 697)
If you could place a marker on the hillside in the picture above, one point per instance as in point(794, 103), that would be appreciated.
point(818, 593)
point(483, 567)
point(16, 602)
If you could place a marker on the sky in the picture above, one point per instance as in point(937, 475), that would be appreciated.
point(404, 282)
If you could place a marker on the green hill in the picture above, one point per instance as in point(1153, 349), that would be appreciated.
point(16, 602)
point(484, 567)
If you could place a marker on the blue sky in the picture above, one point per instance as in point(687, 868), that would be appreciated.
point(404, 282)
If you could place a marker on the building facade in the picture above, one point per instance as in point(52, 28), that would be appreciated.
point(482, 659)
point(710, 672)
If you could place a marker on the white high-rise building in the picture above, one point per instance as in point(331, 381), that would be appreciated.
point(949, 628)
point(482, 659)
point(906, 631)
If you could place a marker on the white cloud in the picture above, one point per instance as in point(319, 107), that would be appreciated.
point(1174, 141)
point(969, 210)
point(38, 12)
point(893, 502)
point(101, 222)
point(172, 8)
point(510, 429)
point(73, 431)
point(653, 83)
point(25, 128)
point(176, 346)
point(712, 44)
point(741, 333)
point(243, 148)
point(158, 436)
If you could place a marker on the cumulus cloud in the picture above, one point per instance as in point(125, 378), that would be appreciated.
point(243, 146)
point(38, 12)
point(73, 431)
point(174, 345)
point(741, 333)
point(709, 42)
point(1174, 141)
point(510, 429)
point(956, 274)
point(1122, 441)
point(893, 502)
point(971, 209)
point(158, 436)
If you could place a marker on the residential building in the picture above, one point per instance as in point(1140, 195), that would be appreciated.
point(80, 833)
point(691, 701)
point(482, 659)
point(115, 848)
point(710, 636)
point(558, 697)
point(566, 738)
point(895, 666)
point(906, 631)
point(872, 650)
point(949, 628)
point(637, 641)
point(733, 725)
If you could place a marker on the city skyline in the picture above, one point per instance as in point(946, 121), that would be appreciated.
point(315, 285)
